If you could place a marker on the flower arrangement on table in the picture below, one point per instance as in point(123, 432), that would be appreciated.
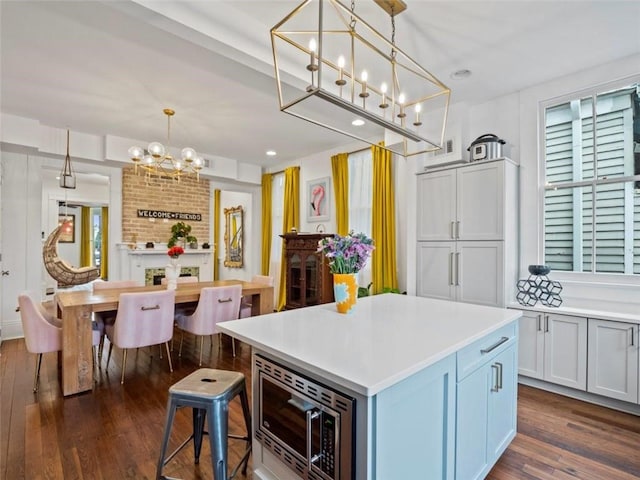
point(347, 254)
point(175, 251)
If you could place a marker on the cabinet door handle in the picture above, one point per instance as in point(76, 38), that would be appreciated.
point(458, 229)
point(632, 332)
point(546, 323)
point(495, 387)
point(539, 322)
point(451, 269)
point(451, 230)
point(457, 269)
point(495, 345)
point(499, 375)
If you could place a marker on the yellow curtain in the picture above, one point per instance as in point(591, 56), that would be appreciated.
point(216, 233)
point(291, 219)
point(267, 180)
point(104, 243)
point(340, 170)
point(86, 259)
point(383, 259)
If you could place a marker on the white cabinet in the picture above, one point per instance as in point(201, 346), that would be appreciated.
point(565, 350)
point(554, 348)
point(465, 271)
point(465, 203)
point(467, 233)
point(531, 345)
point(613, 359)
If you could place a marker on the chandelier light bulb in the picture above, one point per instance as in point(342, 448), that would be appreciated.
point(136, 153)
point(340, 81)
point(148, 159)
point(383, 89)
point(364, 94)
point(198, 162)
point(156, 149)
point(418, 109)
point(312, 67)
point(401, 102)
point(188, 154)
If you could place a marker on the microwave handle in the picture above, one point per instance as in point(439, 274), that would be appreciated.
point(311, 457)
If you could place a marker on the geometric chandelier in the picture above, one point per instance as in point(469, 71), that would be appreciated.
point(336, 70)
point(157, 159)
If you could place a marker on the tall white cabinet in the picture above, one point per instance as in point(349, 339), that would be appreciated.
point(467, 233)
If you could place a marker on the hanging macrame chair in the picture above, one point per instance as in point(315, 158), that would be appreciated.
point(65, 274)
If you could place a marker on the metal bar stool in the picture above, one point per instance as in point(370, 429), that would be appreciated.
point(208, 392)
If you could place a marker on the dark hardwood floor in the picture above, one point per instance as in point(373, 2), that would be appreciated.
point(115, 431)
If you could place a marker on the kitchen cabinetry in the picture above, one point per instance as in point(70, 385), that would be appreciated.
point(470, 272)
point(467, 232)
point(554, 348)
point(308, 279)
point(486, 403)
point(613, 359)
point(464, 203)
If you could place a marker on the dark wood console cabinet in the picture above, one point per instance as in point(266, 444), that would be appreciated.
point(308, 280)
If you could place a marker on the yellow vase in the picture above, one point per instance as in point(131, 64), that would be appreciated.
point(345, 291)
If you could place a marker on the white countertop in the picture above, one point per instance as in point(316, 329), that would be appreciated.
point(388, 338)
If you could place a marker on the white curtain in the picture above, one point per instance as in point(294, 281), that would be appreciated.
point(277, 215)
point(360, 201)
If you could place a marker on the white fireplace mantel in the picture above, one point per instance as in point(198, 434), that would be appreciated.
point(135, 259)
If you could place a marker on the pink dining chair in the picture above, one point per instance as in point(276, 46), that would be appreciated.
point(245, 307)
point(143, 319)
point(43, 332)
point(216, 304)
point(189, 279)
point(107, 318)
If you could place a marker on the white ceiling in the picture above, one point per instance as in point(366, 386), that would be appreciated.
point(110, 67)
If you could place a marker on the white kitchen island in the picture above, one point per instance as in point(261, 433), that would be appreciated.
point(433, 384)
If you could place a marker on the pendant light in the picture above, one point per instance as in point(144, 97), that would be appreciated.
point(67, 179)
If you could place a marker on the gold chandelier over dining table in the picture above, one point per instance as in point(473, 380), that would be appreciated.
point(157, 159)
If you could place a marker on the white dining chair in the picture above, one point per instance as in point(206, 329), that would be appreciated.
point(143, 319)
point(107, 318)
point(216, 304)
point(43, 332)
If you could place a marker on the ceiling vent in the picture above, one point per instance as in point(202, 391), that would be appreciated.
point(451, 153)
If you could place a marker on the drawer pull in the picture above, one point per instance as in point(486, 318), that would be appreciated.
point(144, 309)
point(225, 300)
point(495, 345)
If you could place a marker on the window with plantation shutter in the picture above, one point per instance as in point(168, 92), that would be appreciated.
point(592, 190)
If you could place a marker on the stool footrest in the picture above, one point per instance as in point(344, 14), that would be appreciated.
point(175, 452)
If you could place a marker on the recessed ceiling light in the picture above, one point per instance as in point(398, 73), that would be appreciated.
point(461, 74)
point(358, 122)
point(271, 153)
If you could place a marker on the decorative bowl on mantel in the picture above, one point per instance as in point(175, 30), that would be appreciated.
point(539, 269)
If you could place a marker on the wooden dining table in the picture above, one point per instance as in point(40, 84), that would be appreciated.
point(75, 308)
